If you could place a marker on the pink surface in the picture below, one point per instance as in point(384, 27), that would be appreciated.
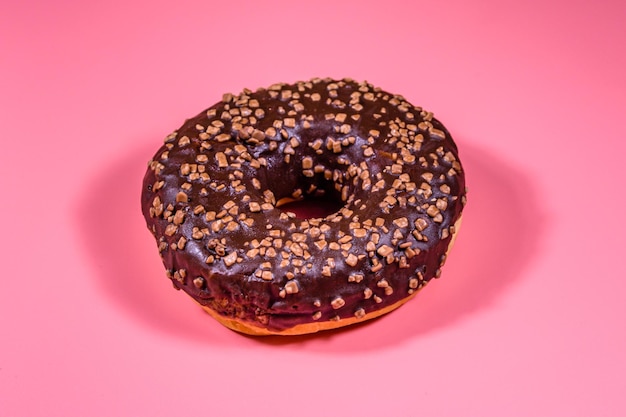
point(528, 317)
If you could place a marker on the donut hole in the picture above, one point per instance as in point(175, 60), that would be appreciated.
point(311, 206)
point(311, 196)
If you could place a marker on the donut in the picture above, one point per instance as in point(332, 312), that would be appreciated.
point(217, 197)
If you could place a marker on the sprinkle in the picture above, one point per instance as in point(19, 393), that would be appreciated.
point(337, 303)
point(421, 224)
point(221, 159)
point(181, 197)
point(359, 313)
point(292, 287)
point(230, 259)
point(199, 282)
point(401, 222)
point(384, 250)
point(355, 277)
point(367, 293)
point(170, 229)
point(179, 217)
point(352, 260)
point(296, 249)
point(432, 211)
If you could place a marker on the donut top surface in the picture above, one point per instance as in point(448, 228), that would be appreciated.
point(212, 197)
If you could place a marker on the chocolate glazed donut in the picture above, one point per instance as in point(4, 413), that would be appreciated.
point(212, 197)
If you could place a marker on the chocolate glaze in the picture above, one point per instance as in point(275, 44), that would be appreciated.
point(211, 195)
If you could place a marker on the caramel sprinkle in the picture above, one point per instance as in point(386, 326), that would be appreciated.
point(338, 303)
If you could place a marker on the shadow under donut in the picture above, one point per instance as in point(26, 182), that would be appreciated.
point(502, 226)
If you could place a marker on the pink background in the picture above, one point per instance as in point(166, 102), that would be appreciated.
point(529, 315)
